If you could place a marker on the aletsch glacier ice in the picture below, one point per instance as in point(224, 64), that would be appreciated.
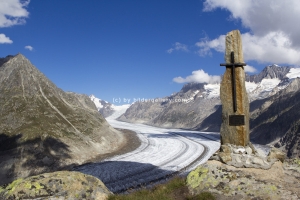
point(167, 151)
point(163, 152)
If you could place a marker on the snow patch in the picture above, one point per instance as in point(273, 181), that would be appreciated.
point(212, 90)
point(192, 96)
point(264, 89)
point(250, 86)
point(293, 73)
point(269, 84)
point(97, 102)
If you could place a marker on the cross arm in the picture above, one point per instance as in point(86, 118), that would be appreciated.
point(231, 64)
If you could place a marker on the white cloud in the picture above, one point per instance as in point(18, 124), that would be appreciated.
point(178, 47)
point(274, 33)
point(30, 48)
point(205, 45)
point(250, 69)
point(198, 76)
point(4, 39)
point(13, 12)
point(275, 47)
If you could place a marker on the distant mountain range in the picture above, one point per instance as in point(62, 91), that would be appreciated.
point(43, 128)
point(272, 95)
point(195, 102)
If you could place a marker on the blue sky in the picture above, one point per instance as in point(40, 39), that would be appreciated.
point(136, 49)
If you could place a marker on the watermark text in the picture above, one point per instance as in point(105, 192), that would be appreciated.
point(153, 100)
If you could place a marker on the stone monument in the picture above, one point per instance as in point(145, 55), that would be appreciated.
point(236, 148)
point(233, 94)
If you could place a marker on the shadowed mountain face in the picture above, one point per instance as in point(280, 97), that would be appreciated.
point(276, 119)
point(39, 120)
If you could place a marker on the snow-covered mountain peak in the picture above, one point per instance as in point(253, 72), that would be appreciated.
point(275, 65)
point(275, 79)
point(97, 102)
point(107, 109)
point(272, 79)
point(269, 72)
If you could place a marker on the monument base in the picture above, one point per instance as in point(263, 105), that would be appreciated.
point(248, 156)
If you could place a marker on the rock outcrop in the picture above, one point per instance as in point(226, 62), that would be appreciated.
point(56, 185)
point(248, 156)
point(226, 182)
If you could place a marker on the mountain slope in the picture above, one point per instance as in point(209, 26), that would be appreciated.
point(43, 128)
point(185, 109)
point(276, 119)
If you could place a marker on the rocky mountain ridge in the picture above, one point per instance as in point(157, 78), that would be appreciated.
point(43, 128)
point(270, 72)
point(195, 102)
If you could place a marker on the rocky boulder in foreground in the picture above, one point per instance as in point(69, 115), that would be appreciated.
point(281, 181)
point(58, 185)
point(249, 156)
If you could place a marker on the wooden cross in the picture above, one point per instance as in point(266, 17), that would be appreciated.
point(233, 65)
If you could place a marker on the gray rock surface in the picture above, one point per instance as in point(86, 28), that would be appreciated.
point(226, 182)
point(62, 185)
point(240, 156)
